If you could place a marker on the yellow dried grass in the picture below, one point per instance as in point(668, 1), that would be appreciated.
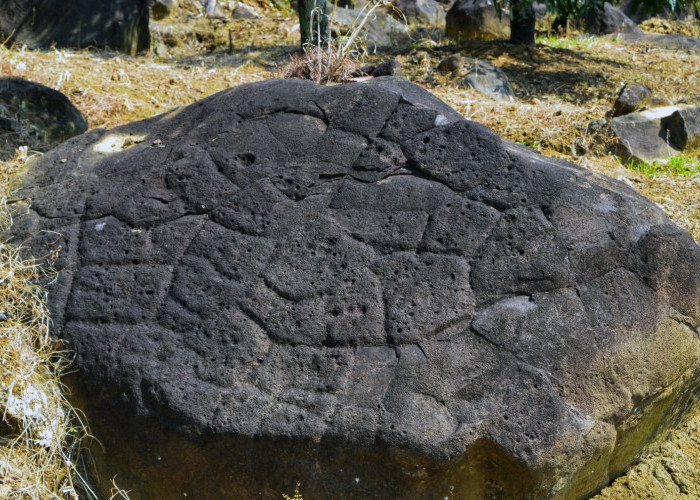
point(40, 432)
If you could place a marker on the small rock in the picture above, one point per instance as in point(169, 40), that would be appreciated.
point(391, 67)
point(683, 127)
point(596, 125)
point(243, 11)
point(451, 63)
point(631, 98)
point(487, 78)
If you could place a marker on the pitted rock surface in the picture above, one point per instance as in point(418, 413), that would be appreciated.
point(360, 272)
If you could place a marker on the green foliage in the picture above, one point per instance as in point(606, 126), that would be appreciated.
point(574, 9)
point(676, 165)
point(580, 9)
point(653, 7)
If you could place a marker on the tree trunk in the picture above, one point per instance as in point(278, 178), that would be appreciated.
point(313, 22)
point(522, 22)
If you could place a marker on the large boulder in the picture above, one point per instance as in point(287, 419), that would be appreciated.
point(354, 287)
point(120, 25)
point(36, 115)
point(476, 20)
point(609, 20)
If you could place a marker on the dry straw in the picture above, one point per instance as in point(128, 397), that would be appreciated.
point(40, 432)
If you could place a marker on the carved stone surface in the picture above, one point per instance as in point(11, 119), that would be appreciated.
point(354, 287)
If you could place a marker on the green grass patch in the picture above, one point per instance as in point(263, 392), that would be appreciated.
point(676, 165)
point(559, 42)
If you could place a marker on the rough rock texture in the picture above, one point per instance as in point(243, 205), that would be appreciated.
point(354, 287)
point(475, 20)
point(683, 127)
point(656, 134)
point(44, 114)
point(486, 78)
point(609, 20)
point(630, 99)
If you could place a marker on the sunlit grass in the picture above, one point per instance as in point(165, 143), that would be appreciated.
point(676, 165)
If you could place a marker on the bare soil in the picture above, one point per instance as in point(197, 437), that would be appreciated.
point(562, 85)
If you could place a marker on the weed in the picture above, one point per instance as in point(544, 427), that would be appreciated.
point(297, 494)
point(569, 43)
point(676, 165)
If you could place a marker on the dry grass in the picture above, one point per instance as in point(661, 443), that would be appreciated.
point(322, 66)
point(40, 432)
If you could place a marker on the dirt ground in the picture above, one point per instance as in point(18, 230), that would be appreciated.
point(562, 85)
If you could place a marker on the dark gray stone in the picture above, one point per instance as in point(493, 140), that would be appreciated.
point(354, 287)
point(120, 25)
point(656, 134)
point(641, 137)
point(390, 67)
point(451, 64)
point(47, 115)
point(476, 20)
point(487, 78)
point(631, 98)
point(683, 127)
point(609, 20)
point(243, 11)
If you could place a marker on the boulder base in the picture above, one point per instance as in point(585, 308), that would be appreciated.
point(120, 25)
point(354, 287)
